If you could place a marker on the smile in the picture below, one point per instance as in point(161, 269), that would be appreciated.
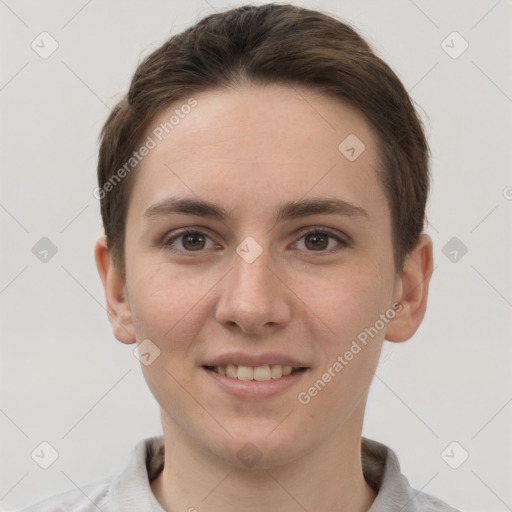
point(257, 373)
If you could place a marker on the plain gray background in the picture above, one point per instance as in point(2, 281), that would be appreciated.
point(67, 381)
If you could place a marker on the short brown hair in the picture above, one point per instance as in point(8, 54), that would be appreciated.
point(266, 44)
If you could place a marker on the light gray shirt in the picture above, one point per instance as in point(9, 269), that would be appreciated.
point(130, 490)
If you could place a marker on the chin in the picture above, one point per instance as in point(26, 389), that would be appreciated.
point(259, 449)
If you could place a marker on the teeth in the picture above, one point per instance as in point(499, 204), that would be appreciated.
point(245, 373)
point(276, 371)
point(259, 373)
point(231, 371)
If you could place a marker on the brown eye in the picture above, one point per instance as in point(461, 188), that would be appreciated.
point(320, 240)
point(188, 241)
point(317, 241)
point(193, 241)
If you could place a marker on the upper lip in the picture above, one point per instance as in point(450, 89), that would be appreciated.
point(241, 359)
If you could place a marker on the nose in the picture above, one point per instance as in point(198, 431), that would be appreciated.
point(253, 297)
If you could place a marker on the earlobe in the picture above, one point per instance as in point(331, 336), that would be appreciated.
point(412, 292)
point(118, 306)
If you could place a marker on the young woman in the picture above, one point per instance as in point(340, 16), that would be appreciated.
point(263, 187)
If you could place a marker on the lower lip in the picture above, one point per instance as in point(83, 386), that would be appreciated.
point(255, 388)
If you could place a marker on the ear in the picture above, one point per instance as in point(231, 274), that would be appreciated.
point(118, 306)
point(412, 291)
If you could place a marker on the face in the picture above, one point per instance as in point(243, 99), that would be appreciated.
point(253, 241)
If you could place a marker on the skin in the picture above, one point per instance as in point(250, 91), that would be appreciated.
point(250, 149)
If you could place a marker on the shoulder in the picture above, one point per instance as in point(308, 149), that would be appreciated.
point(128, 490)
point(427, 503)
point(381, 470)
point(89, 498)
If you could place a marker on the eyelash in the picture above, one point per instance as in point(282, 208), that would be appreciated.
point(342, 242)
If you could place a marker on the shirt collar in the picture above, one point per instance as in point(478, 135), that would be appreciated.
point(131, 489)
point(381, 470)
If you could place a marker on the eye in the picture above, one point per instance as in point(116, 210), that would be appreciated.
point(322, 240)
point(188, 240)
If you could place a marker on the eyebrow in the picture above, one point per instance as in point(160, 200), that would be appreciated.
point(287, 211)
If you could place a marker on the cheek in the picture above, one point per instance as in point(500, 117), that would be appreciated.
point(161, 300)
point(165, 308)
point(350, 304)
point(171, 305)
point(349, 301)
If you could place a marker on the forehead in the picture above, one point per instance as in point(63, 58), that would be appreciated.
point(247, 147)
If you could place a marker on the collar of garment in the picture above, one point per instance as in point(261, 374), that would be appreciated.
point(380, 468)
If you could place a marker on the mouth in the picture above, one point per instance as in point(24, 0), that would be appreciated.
point(260, 373)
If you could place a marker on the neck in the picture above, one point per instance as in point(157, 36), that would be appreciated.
point(328, 478)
